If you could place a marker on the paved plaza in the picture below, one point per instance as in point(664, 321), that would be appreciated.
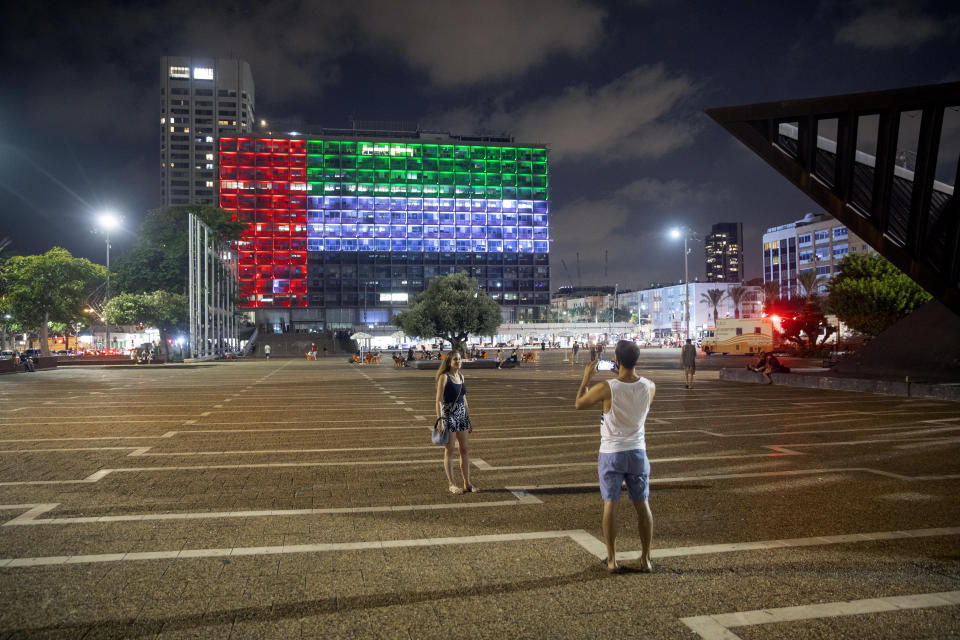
point(298, 499)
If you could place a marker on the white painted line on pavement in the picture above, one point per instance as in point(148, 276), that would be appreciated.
point(61, 450)
point(593, 463)
point(31, 517)
point(734, 476)
point(588, 542)
point(717, 626)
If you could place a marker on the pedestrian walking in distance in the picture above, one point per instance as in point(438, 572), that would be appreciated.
point(626, 401)
point(452, 407)
point(266, 351)
point(688, 360)
point(576, 348)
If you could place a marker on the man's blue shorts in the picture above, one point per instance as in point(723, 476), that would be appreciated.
point(631, 467)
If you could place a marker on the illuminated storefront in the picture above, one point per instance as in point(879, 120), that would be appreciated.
point(349, 230)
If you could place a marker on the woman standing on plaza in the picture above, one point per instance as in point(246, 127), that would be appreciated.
point(452, 407)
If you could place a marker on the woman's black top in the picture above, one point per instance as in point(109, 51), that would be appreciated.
point(452, 391)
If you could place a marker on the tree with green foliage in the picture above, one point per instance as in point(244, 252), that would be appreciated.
point(48, 287)
point(158, 259)
point(8, 322)
point(801, 322)
point(621, 314)
point(713, 297)
point(771, 291)
point(810, 282)
point(806, 327)
point(160, 309)
point(452, 308)
point(737, 294)
point(870, 294)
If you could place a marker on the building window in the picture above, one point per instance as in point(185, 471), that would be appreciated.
point(202, 73)
point(804, 239)
point(840, 233)
point(179, 72)
point(822, 236)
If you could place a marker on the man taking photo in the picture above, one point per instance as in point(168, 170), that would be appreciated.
point(623, 457)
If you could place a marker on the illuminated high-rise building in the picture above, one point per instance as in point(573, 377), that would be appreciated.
point(724, 252)
point(201, 99)
point(345, 227)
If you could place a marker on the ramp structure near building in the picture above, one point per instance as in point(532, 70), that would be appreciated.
point(883, 163)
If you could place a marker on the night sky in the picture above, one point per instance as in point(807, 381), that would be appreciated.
point(616, 89)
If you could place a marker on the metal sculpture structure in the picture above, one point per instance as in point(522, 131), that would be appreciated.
point(883, 163)
point(214, 323)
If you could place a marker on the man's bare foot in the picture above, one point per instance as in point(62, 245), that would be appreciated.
point(471, 489)
point(645, 565)
point(454, 489)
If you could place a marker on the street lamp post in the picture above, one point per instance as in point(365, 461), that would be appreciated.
point(676, 233)
point(6, 319)
point(107, 222)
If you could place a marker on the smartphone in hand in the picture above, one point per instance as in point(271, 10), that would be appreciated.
point(606, 365)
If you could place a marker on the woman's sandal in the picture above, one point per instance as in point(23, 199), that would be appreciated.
point(454, 489)
point(471, 489)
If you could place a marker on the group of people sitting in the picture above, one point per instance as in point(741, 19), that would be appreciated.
point(767, 364)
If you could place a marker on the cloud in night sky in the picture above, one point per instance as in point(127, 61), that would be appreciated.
point(626, 223)
point(634, 116)
point(459, 43)
point(889, 27)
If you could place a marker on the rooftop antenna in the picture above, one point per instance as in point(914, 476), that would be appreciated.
point(569, 278)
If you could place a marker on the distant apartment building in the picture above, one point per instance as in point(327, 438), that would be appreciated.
point(584, 303)
point(817, 241)
point(201, 100)
point(724, 252)
point(661, 309)
point(664, 307)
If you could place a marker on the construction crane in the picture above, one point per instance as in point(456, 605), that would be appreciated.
point(569, 277)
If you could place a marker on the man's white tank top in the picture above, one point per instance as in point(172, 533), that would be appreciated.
point(622, 428)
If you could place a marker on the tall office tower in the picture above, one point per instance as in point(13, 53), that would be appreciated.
point(344, 227)
point(201, 99)
point(724, 249)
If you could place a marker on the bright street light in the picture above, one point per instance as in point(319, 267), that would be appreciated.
point(107, 221)
point(675, 233)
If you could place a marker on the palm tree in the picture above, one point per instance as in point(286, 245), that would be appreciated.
point(771, 291)
point(810, 282)
point(713, 297)
point(736, 295)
